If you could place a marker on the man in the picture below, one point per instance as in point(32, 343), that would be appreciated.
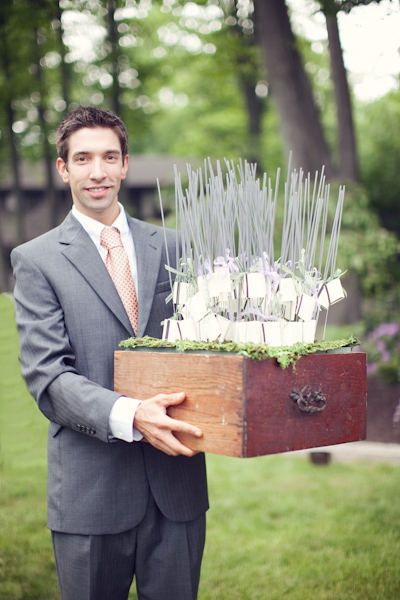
point(125, 497)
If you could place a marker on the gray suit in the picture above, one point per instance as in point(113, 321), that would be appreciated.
point(70, 320)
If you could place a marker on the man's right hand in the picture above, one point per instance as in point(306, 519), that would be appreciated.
point(157, 427)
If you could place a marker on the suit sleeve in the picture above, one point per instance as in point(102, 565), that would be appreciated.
point(47, 359)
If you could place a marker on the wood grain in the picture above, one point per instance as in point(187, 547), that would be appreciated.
point(243, 406)
point(213, 386)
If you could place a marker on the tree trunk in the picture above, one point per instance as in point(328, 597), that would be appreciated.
point(64, 67)
point(113, 37)
point(291, 88)
point(50, 194)
point(348, 164)
point(15, 162)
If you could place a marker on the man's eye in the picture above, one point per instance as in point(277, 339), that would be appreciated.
point(81, 159)
point(111, 158)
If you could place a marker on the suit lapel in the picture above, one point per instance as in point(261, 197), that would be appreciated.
point(79, 249)
point(148, 245)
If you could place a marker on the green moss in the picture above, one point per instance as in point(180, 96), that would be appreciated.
point(286, 355)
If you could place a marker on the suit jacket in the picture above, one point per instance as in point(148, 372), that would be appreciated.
point(71, 319)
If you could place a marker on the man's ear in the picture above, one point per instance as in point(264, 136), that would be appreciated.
point(125, 162)
point(62, 169)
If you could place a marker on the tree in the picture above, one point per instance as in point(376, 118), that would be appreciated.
point(347, 149)
point(290, 87)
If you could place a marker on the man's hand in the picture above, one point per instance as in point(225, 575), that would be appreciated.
point(156, 426)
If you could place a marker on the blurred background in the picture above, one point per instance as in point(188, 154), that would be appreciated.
point(221, 79)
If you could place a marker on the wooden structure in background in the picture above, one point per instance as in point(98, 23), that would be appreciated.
point(250, 408)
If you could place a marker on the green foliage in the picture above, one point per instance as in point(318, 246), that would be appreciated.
point(379, 140)
point(285, 356)
point(277, 523)
point(365, 246)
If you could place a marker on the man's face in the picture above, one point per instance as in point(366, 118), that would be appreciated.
point(94, 171)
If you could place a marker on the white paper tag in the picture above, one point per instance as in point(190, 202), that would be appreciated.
point(197, 307)
point(305, 307)
point(287, 290)
point(309, 328)
point(271, 333)
point(323, 297)
point(253, 285)
point(219, 283)
point(181, 292)
point(209, 328)
point(170, 330)
point(335, 291)
point(253, 332)
point(289, 310)
point(292, 333)
point(224, 325)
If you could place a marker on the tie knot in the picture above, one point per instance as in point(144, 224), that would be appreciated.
point(110, 237)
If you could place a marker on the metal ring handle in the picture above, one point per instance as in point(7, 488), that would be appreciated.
point(308, 400)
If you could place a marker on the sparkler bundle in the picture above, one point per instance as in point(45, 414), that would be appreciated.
point(228, 284)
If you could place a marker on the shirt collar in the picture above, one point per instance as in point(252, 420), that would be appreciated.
point(94, 227)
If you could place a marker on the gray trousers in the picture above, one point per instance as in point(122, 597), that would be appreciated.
point(164, 557)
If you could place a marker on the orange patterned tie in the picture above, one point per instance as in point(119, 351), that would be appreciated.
point(117, 264)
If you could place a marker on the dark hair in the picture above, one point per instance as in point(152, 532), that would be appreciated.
point(89, 116)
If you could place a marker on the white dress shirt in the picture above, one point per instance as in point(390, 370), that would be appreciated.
point(123, 412)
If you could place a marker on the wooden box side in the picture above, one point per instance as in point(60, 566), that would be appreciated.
point(273, 421)
point(213, 384)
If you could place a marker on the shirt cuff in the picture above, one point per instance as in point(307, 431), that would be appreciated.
point(121, 419)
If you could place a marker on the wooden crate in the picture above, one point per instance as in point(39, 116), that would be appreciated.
point(249, 408)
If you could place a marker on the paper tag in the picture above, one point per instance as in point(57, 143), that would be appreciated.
point(335, 291)
point(253, 332)
point(224, 325)
point(209, 328)
point(253, 285)
point(219, 283)
point(289, 310)
point(309, 328)
point(287, 290)
point(181, 292)
point(188, 329)
point(197, 307)
point(170, 330)
point(271, 333)
point(323, 297)
point(292, 333)
point(203, 286)
point(305, 307)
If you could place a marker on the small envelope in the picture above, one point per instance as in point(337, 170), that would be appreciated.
point(335, 291)
point(292, 333)
point(287, 290)
point(305, 307)
point(197, 307)
point(271, 333)
point(219, 283)
point(309, 328)
point(253, 285)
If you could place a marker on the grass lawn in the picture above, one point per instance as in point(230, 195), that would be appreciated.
point(278, 528)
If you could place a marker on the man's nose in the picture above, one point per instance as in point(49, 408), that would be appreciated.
point(97, 170)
